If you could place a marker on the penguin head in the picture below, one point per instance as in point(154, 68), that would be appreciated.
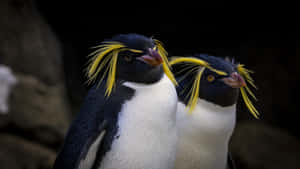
point(141, 63)
point(217, 80)
point(129, 57)
point(222, 90)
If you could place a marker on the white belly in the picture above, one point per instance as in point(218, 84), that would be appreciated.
point(203, 136)
point(147, 129)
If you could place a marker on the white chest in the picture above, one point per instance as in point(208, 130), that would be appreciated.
point(204, 135)
point(147, 129)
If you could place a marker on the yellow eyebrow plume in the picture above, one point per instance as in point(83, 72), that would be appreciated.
point(246, 74)
point(106, 54)
point(166, 65)
point(112, 73)
point(105, 58)
point(103, 50)
point(195, 90)
point(201, 65)
point(196, 61)
point(135, 50)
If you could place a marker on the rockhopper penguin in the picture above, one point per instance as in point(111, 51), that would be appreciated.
point(208, 92)
point(127, 120)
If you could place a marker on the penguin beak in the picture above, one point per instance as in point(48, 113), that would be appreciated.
point(235, 80)
point(152, 58)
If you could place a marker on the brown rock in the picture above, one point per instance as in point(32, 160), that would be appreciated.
point(39, 109)
point(38, 106)
point(7, 81)
point(17, 153)
point(27, 44)
point(259, 146)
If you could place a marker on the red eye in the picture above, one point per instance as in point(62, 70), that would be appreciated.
point(210, 78)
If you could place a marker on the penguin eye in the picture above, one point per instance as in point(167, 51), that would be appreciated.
point(128, 58)
point(210, 78)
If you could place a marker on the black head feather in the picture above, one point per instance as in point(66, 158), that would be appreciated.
point(135, 70)
point(215, 91)
point(117, 59)
point(134, 41)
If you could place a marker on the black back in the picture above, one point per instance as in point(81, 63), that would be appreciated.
point(97, 113)
point(100, 113)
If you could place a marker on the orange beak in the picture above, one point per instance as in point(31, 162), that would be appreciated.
point(235, 80)
point(152, 58)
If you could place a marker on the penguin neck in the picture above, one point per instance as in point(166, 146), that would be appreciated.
point(208, 124)
point(150, 77)
point(140, 85)
point(146, 128)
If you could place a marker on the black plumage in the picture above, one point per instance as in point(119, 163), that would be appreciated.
point(216, 91)
point(212, 89)
point(99, 113)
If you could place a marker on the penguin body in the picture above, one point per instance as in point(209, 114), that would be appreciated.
point(204, 132)
point(204, 135)
point(97, 115)
point(133, 128)
point(147, 131)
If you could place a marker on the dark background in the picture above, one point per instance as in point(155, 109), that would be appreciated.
point(259, 37)
point(262, 35)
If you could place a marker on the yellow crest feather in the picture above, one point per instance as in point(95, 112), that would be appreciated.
point(201, 65)
point(111, 74)
point(246, 74)
point(196, 61)
point(166, 65)
point(106, 54)
point(195, 90)
point(103, 50)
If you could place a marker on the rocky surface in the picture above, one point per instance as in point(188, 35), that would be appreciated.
point(7, 81)
point(39, 109)
point(39, 115)
point(27, 43)
point(18, 153)
point(256, 145)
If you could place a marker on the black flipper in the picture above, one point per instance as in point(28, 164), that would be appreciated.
point(86, 153)
point(98, 114)
point(230, 161)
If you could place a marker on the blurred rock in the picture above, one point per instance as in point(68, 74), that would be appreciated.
point(255, 145)
point(277, 81)
point(39, 109)
point(27, 43)
point(4, 120)
point(39, 106)
point(17, 153)
point(7, 81)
